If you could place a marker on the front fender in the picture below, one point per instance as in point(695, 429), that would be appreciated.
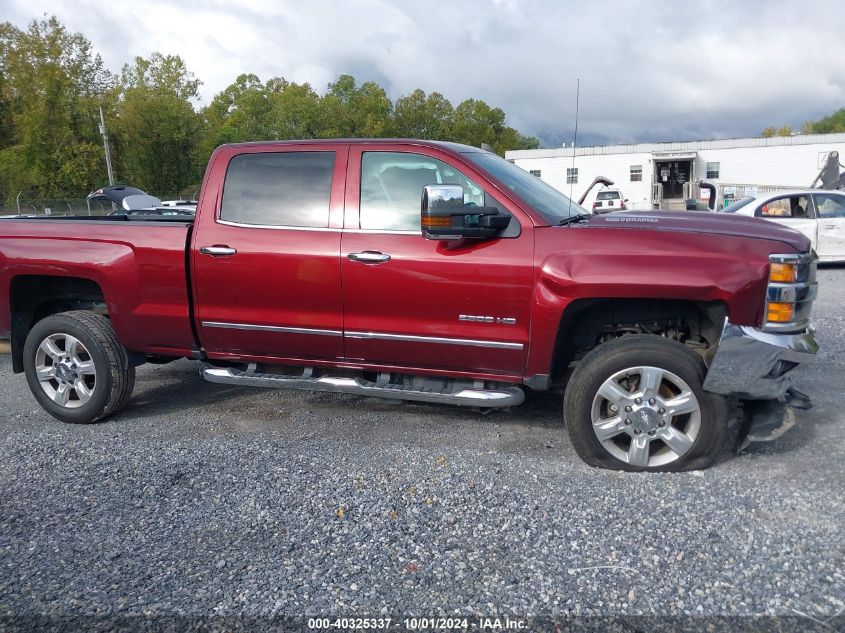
point(575, 264)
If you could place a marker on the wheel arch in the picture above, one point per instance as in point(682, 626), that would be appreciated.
point(34, 297)
point(588, 322)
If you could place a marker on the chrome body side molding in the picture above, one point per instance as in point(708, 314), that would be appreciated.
point(271, 328)
point(434, 339)
point(364, 335)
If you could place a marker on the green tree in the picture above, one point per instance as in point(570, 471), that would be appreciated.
point(784, 130)
point(295, 111)
point(419, 116)
point(157, 130)
point(241, 112)
point(52, 83)
point(353, 111)
point(248, 110)
point(827, 125)
point(476, 123)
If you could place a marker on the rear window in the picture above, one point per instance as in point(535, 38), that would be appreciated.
point(278, 189)
point(608, 195)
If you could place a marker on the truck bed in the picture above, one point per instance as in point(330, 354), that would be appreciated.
point(139, 264)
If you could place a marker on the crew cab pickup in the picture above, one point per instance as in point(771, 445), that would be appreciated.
point(423, 271)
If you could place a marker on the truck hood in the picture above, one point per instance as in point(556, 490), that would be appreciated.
point(702, 222)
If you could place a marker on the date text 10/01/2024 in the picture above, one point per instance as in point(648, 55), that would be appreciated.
point(419, 623)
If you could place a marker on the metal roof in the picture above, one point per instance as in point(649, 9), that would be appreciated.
point(678, 146)
point(456, 147)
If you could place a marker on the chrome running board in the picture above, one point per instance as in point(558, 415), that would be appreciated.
point(462, 393)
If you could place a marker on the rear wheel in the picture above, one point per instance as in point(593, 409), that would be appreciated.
point(637, 403)
point(76, 368)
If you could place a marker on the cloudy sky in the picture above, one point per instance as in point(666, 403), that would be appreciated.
point(667, 70)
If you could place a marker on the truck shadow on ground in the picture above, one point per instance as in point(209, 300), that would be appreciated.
point(179, 387)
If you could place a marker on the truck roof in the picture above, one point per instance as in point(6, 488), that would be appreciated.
point(455, 147)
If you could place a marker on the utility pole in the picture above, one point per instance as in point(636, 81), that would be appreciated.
point(106, 147)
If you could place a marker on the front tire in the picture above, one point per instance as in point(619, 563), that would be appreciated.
point(637, 403)
point(76, 368)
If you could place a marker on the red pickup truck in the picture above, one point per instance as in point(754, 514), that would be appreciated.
point(425, 271)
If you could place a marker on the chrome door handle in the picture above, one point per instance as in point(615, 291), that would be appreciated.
point(369, 257)
point(830, 226)
point(218, 251)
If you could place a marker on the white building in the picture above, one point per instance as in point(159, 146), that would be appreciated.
point(664, 174)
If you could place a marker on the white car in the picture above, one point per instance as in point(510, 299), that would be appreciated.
point(817, 213)
point(608, 200)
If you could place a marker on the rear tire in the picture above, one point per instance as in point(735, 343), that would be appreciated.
point(637, 404)
point(76, 368)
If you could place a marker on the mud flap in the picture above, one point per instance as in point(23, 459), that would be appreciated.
point(767, 420)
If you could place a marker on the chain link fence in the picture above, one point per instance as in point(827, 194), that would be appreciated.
point(27, 205)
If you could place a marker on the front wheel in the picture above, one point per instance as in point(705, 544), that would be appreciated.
point(637, 403)
point(76, 368)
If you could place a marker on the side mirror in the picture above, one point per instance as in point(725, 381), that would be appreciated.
point(445, 217)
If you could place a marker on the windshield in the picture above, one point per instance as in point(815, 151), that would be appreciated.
point(608, 195)
point(736, 206)
point(546, 200)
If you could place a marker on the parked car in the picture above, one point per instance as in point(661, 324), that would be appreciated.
point(187, 206)
point(608, 200)
point(125, 198)
point(817, 213)
point(315, 265)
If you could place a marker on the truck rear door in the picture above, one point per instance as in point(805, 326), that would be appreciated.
point(265, 255)
point(416, 303)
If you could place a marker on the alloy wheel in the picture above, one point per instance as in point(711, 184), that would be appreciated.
point(646, 416)
point(65, 370)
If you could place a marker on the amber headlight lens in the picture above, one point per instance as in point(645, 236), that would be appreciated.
point(783, 273)
point(780, 312)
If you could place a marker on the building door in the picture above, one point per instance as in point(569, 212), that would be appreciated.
point(673, 175)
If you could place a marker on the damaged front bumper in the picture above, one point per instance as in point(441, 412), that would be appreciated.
point(756, 367)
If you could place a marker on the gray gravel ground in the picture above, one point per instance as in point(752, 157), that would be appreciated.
point(203, 501)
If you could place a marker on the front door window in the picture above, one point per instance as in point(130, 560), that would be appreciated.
point(392, 184)
point(830, 205)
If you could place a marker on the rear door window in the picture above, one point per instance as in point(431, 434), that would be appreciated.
point(797, 207)
point(278, 189)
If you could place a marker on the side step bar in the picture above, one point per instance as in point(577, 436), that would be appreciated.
point(463, 394)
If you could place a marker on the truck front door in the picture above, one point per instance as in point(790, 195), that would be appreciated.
point(265, 256)
point(414, 303)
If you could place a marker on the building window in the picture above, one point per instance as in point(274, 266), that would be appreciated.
point(571, 175)
point(636, 173)
point(712, 170)
point(534, 172)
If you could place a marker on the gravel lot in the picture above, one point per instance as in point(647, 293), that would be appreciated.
point(203, 501)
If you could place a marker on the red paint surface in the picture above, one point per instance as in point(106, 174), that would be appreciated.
point(302, 278)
